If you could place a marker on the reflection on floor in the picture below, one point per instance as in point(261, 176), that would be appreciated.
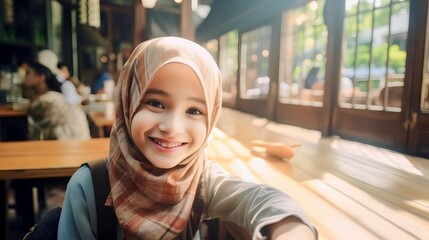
point(349, 190)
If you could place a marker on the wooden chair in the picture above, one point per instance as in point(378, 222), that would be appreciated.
point(394, 95)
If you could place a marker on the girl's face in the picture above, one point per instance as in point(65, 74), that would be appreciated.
point(171, 124)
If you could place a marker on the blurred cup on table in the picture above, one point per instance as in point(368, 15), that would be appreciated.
point(21, 104)
point(85, 91)
point(109, 87)
point(109, 111)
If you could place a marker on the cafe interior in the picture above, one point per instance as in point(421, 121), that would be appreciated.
point(325, 100)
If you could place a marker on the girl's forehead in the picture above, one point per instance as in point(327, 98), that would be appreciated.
point(179, 66)
point(177, 70)
point(178, 74)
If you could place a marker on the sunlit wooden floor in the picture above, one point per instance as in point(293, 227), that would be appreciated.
point(350, 190)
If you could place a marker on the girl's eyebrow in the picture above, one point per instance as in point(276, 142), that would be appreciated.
point(199, 100)
point(163, 93)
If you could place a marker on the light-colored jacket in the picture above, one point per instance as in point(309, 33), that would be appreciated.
point(51, 117)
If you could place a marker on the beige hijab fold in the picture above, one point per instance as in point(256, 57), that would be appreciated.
point(153, 203)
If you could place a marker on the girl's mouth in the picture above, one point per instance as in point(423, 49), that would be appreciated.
point(165, 144)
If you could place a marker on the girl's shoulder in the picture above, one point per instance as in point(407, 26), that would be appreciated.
point(81, 179)
point(214, 172)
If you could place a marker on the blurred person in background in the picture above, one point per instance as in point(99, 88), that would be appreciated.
point(102, 77)
point(49, 59)
point(81, 88)
point(50, 115)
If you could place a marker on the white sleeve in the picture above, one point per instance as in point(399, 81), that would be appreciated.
point(70, 93)
point(78, 216)
point(249, 205)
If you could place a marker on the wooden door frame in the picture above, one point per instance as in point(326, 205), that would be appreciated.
point(418, 122)
point(262, 107)
point(385, 129)
point(319, 118)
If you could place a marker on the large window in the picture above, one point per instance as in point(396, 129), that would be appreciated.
point(375, 36)
point(212, 47)
point(424, 104)
point(57, 28)
point(254, 66)
point(303, 55)
point(228, 62)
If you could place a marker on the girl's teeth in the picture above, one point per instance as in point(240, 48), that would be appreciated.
point(166, 145)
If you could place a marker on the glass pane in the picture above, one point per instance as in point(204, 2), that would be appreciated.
point(363, 54)
point(374, 61)
point(212, 47)
point(424, 104)
point(288, 28)
point(303, 55)
point(378, 57)
point(351, 6)
point(381, 3)
point(397, 56)
point(228, 58)
point(349, 53)
point(425, 95)
point(39, 22)
point(57, 26)
point(361, 79)
point(365, 5)
point(255, 51)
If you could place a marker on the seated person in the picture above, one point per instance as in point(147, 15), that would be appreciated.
point(80, 87)
point(49, 59)
point(98, 86)
point(50, 116)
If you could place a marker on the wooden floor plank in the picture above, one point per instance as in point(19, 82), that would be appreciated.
point(373, 178)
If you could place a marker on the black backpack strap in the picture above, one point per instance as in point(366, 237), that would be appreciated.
point(198, 208)
point(106, 219)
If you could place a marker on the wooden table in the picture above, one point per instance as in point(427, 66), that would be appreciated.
point(101, 121)
point(101, 114)
point(44, 159)
point(6, 111)
point(13, 123)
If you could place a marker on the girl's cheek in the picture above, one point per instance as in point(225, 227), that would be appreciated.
point(138, 126)
point(200, 130)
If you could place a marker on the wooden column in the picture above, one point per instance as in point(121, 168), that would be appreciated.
point(187, 27)
point(139, 22)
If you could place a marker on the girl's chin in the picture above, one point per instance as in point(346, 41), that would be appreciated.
point(168, 164)
point(163, 166)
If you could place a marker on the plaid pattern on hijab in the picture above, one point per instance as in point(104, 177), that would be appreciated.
point(153, 203)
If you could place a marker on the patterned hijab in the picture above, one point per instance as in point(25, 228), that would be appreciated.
point(153, 203)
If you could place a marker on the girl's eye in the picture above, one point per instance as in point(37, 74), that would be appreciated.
point(194, 111)
point(156, 104)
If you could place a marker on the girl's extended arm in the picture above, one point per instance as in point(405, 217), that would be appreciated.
point(289, 228)
point(254, 207)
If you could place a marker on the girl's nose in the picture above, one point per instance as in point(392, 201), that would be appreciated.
point(172, 124)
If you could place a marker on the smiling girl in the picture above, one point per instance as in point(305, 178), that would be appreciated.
point(168, 100)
